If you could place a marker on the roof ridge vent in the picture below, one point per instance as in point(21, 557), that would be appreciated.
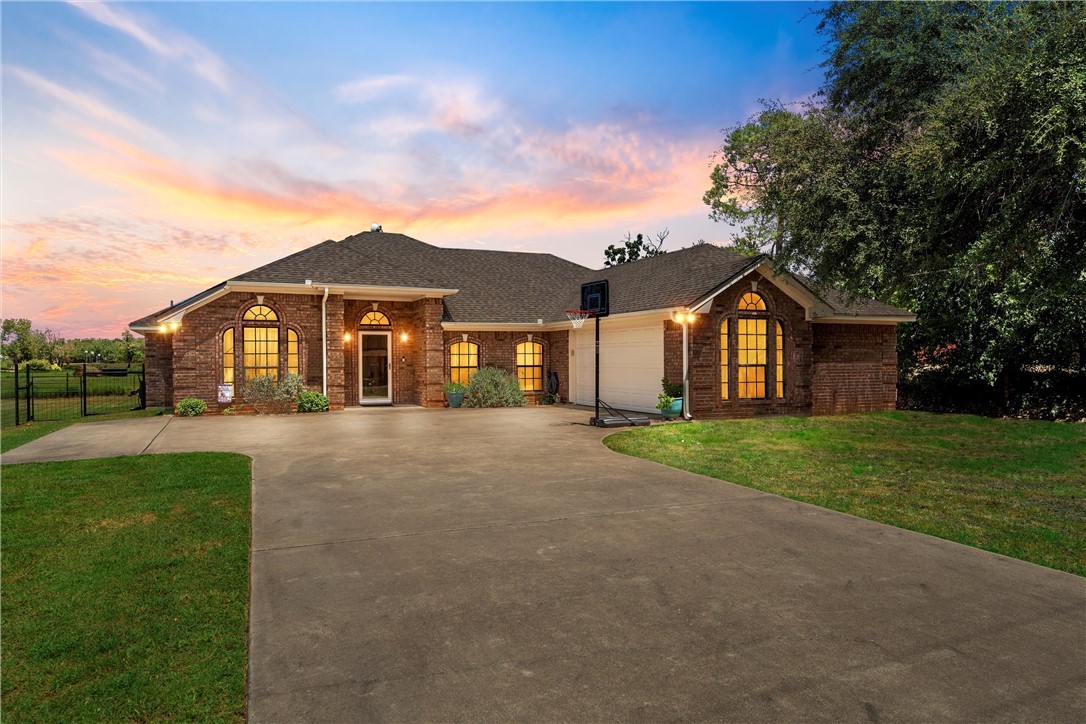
point(375, 227)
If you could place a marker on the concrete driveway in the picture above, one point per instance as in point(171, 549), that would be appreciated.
point(486, 565)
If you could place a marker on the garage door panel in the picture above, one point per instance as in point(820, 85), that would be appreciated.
point(631, 365)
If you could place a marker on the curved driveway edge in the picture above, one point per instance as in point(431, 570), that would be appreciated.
point(485, 565)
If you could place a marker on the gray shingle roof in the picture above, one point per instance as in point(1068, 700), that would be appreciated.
point(510, 287)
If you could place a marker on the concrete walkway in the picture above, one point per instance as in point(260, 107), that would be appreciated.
point(489, 565)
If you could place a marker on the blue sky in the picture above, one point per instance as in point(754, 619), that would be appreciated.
point(150, 150)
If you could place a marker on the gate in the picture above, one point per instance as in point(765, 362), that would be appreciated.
point(71, 394)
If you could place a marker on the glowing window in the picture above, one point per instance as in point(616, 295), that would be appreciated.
point(374, 319)
point(228, 356)
point(292, 352)
point(780, 360)
point(751, 302)
point(724, 360)
point(261, 351)
point(751, 353)
point(463, 361)
point(530, 366)
point(260, 313)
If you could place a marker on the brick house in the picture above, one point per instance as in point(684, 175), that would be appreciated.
point(381, 318)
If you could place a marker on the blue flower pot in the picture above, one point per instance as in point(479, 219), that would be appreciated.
point(676, 409)
point(455, 398)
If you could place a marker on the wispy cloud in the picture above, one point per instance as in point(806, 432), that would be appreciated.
point(79, 101)
point(166, 43)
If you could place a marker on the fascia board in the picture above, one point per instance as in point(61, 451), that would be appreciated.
point(869, 319)
point(349, 290)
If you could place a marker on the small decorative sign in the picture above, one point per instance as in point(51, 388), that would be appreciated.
point(226, 393)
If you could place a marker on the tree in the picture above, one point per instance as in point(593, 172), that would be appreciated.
point(635, 248)
point(17, 340)
point(942, 167)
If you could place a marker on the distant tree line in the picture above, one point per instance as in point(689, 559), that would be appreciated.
point(21, 343)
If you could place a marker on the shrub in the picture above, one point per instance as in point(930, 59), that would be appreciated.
point(190, 407)
point(493, 387)
point(548, 399)
point(664, 402)
point(266, 394)
point(312, 402)
point(39, 365)
point(671, 389)
point(455, 387)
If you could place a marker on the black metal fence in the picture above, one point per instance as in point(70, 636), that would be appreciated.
point(79, 392)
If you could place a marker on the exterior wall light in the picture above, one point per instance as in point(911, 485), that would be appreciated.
point(403, 336)
point(346, 336)
point(162, 328)
point(174, 326)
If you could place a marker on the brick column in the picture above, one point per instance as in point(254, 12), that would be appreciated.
point(336, 386)
point(432, 375)
point(158, 368)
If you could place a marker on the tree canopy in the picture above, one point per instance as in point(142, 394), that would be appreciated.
point(941, 167)
point(633, 248)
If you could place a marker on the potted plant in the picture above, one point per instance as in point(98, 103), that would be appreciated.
point(670, 401)
point(454, 391)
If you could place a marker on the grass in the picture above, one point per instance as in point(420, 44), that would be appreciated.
point(1015, 487)
point(125, 590)
point(16, 435)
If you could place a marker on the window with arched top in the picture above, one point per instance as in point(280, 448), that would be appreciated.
point(374, 319)
point(260, 313)
point(463, 361)
point(293, 352)
point(530, 366)
point(724, 359)
point(260, 342)
point(751, 302)
point(228, 356)
point(779, 351)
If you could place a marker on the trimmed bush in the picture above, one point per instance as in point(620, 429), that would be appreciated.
point(493, 387)
point(312, 402)
point(190, 407)
point(268, 395)
point(39, 365)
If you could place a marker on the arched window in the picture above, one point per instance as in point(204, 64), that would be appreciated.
point(724, 361)
point(260, 342)
point(751, 302)
point(293, 355)
point(463, 361)
point(228, 356)
point(752, 342)
point(780, 360)
point(530, 366)
point(375, 319)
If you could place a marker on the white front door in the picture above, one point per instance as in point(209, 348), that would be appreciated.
point(375, 368)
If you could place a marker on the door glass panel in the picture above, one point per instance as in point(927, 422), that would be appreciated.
point(374, 366)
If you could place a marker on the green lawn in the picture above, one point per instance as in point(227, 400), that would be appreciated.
point(125, 588)
point(1016, 487)
point(16, 435)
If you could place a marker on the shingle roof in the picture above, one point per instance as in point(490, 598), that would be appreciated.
point(510, 287)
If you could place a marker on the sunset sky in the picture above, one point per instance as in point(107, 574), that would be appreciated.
point(152, 150)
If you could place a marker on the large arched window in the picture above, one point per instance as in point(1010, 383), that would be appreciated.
point(780, 360)
point(260, 342)
point(751, 347)
point(463, 361)
point(530, 366)
point(293, 352)
point(228, 356)
point(725, 361)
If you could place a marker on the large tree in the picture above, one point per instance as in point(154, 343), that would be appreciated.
point(942, 166)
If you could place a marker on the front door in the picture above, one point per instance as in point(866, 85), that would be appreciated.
point(375, 368)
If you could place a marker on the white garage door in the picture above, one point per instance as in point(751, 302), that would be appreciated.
point(631, 365)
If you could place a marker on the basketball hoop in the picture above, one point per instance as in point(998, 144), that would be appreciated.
point(578, 317)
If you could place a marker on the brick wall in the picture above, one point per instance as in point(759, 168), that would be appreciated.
point(705, 378)
point(855, 368)
point(197, 344)
point(159, 366)
point(499, 349)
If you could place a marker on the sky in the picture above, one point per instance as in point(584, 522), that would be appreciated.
point(151, 150)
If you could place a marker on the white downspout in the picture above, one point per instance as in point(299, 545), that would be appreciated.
point(686, 368)
point(324, 343)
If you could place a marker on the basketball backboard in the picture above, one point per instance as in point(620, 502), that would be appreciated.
point(595, 298)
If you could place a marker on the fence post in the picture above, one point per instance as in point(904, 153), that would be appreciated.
point(16, 381)
point(83, 391)
point(29, 394)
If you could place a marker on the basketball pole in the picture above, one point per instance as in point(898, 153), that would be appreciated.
point(596, 419)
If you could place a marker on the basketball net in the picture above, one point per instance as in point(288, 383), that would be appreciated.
point(578, 317)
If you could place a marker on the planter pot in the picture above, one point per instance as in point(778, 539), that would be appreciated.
point(455, 398)
point(676, 409)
